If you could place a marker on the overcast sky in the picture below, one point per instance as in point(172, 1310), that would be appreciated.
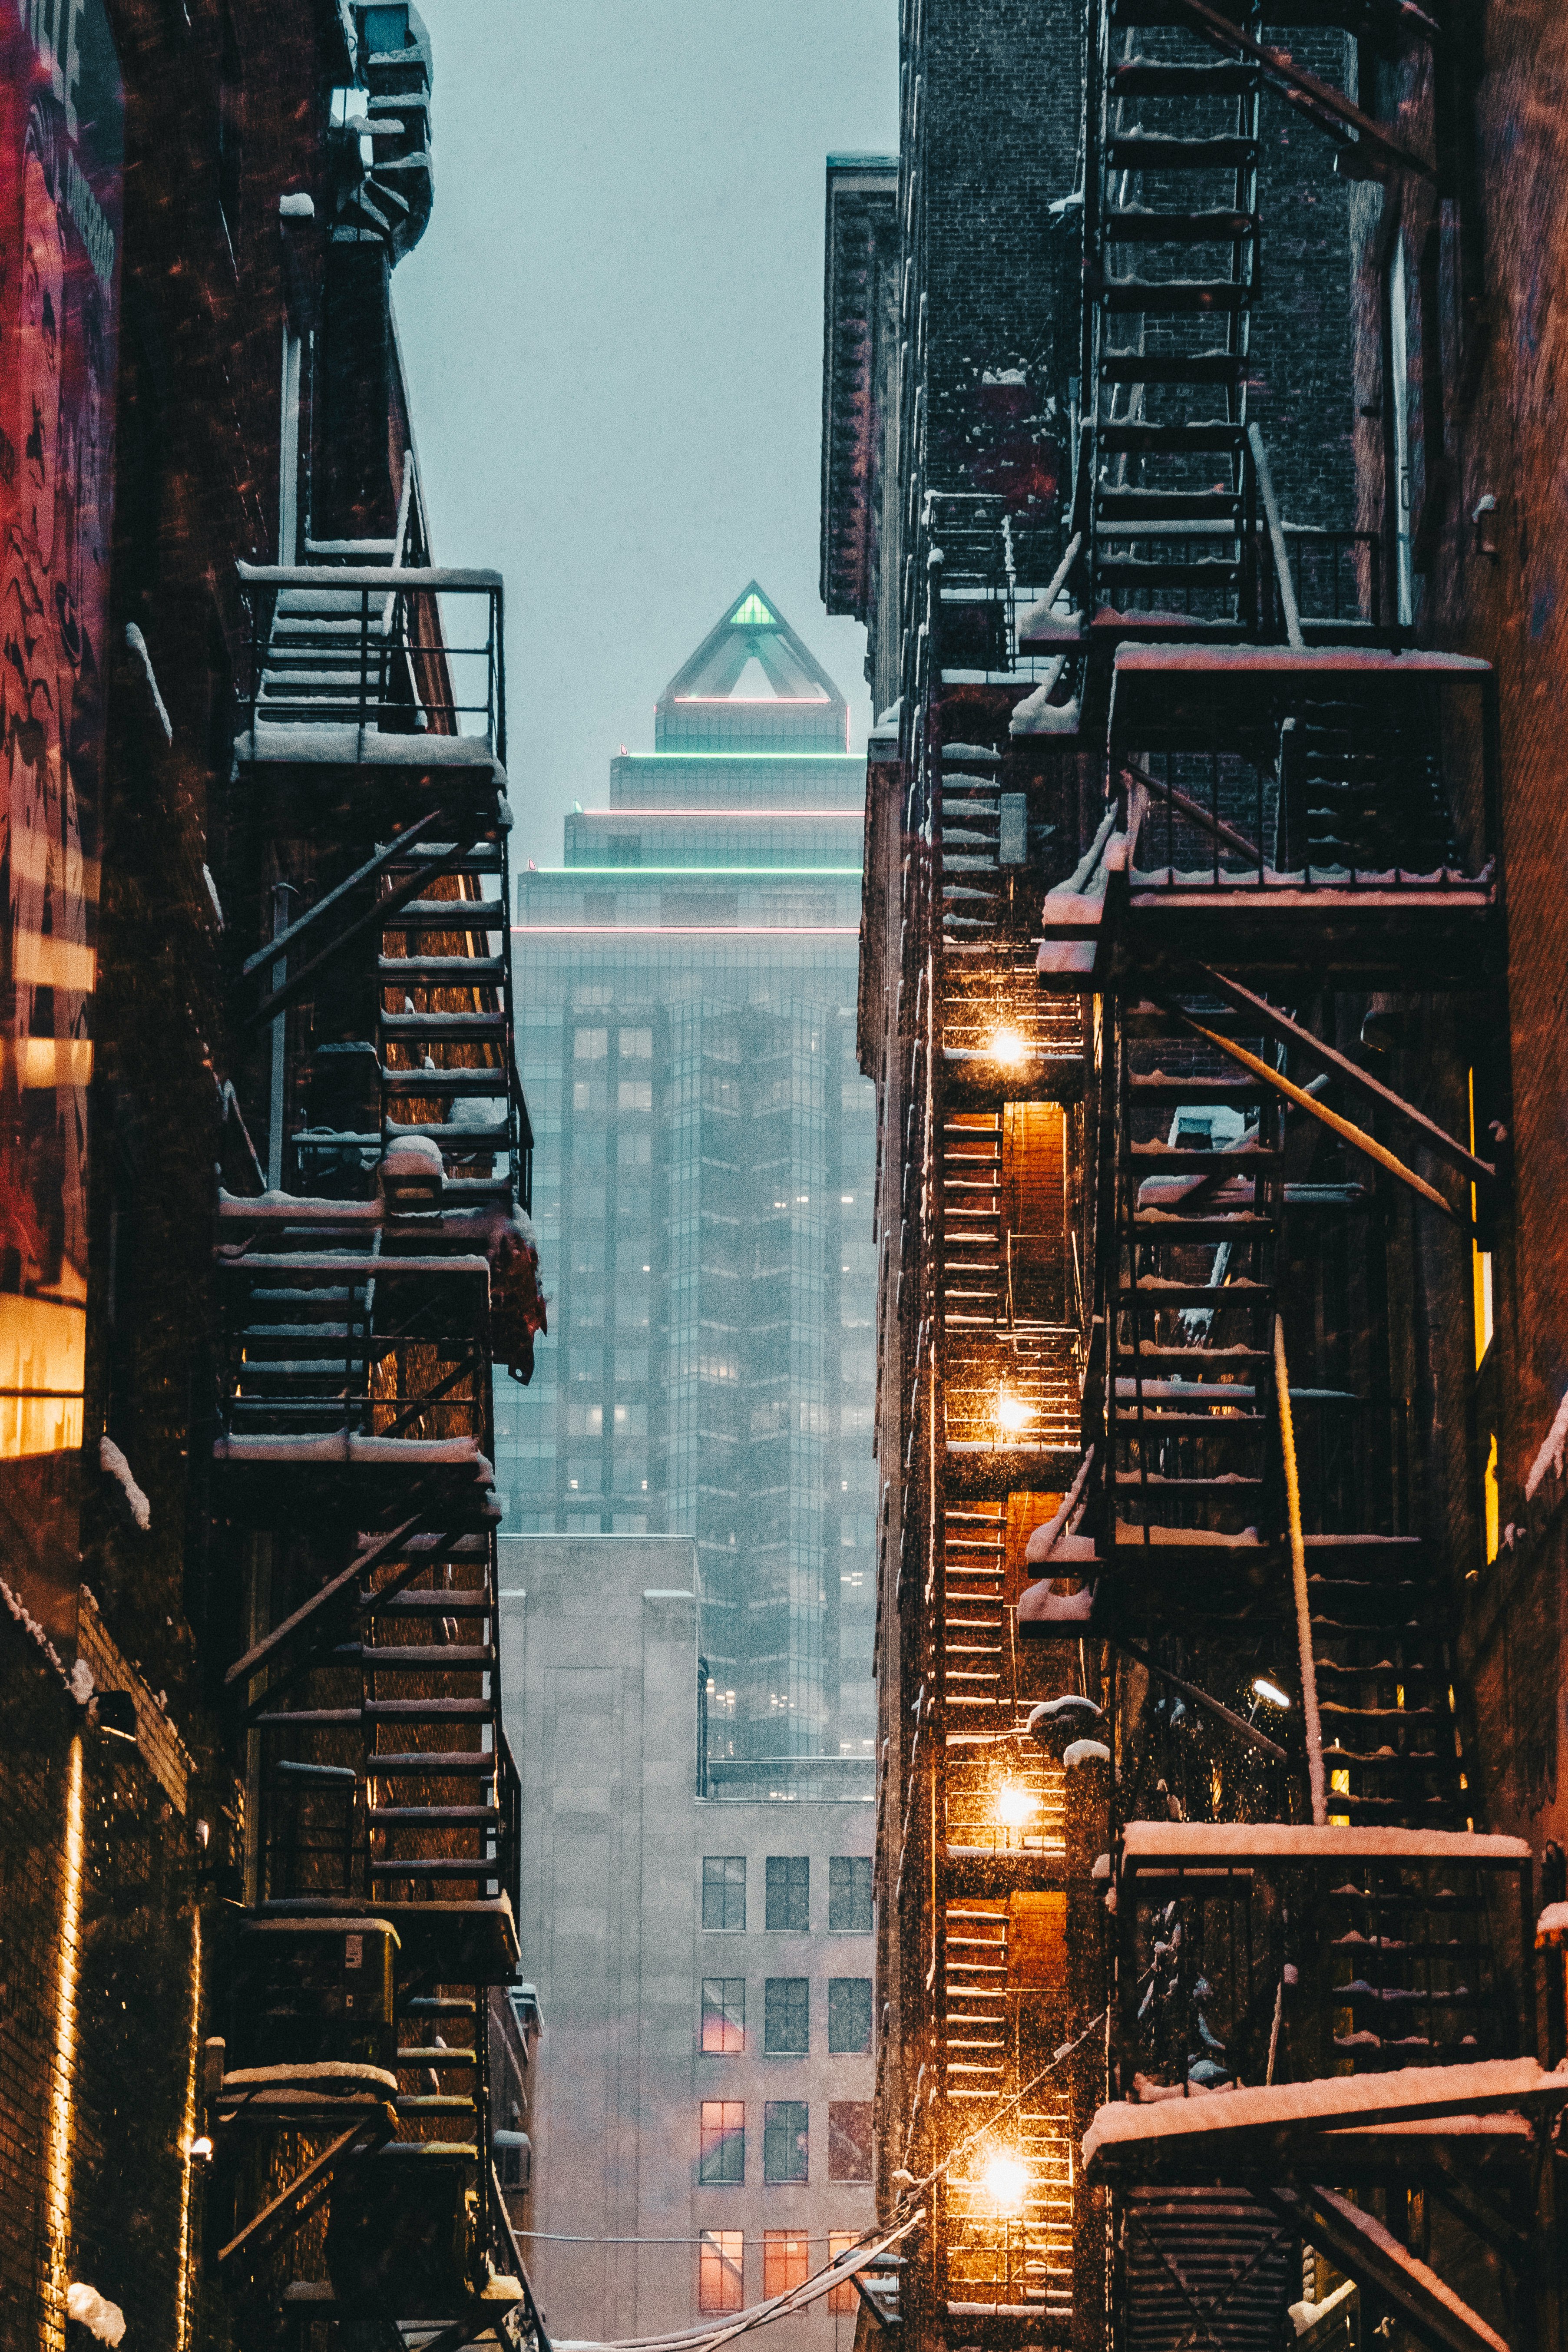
point(613, 331)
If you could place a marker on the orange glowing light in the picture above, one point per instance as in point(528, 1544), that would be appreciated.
point(1004, 2183)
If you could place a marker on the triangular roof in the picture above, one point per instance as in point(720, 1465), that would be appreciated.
point(752, 629)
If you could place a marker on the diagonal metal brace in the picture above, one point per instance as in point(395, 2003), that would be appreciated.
point(376, 918)
point(1356, 1137)
point(1321, 104)
point(1279, 1024)
point(293, 2205)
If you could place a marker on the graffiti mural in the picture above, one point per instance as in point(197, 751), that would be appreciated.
point(60, 158)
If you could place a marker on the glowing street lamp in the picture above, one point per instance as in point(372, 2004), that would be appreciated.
point(1012, 1414)
point(1015, 1803)
point(1009, 1048)
point(1004, 2183)
point(1270, 1692)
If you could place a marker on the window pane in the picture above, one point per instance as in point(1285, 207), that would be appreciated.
point(848, 2015)
point(719, 2270)
point(789, 1892)
point(724, 2016)
point(849, 2139)
point(843, 2302)
point(786, 2015)
point(721, 2159)
point(849, 1893)
point(785, 2261)
point(724, 1890)
point(785, 2141)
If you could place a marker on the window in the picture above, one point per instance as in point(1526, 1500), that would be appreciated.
point(789, 1892)
point(848, 2015)
point(724, 2016)
point(719, 2270)
point(634, 1093)
point(724, 1891)
point(850, 1894)
point(787, 2016)
point(636, 1044)
point(721, 2158)
point(591, 1045)
point(785, 2142)
point(785, 2261)
point(843, 2300)
point(849, 2139)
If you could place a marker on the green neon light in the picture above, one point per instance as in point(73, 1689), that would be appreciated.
point(753, 615)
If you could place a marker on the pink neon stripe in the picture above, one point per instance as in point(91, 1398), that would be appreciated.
point(761, 815)
point(694, 930)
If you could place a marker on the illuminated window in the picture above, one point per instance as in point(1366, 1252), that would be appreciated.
point(721, 2154)
point(848, 2015)
point(787, 2016)
point(785, 2142)
point(751, 614)
point(724, 1891)
point(719, 2270)
point(849, 2139)
point(842, 2301)
point(789, 1892)
point(785, 2261)
point(850, 1894)
point(724, 2016)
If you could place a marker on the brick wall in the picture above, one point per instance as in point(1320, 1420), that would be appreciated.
point(96, 1945)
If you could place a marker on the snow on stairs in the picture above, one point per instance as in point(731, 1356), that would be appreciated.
point(1198, 1209)
point(446, 1019)
point(972, 889)
point(974, 1270)
point(1176, 269)
point(976, 1653)
point(1023, 2264)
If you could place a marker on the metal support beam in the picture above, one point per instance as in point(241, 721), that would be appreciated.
point(1290, 1033)
point(1328, 108)
point(293, 2205)
point(1354, 1136)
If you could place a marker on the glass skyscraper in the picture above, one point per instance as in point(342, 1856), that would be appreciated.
point(686, 986)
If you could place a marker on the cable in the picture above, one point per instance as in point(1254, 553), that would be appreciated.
point(778, 2306)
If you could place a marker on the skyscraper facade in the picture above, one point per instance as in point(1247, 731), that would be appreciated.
point(686, 983)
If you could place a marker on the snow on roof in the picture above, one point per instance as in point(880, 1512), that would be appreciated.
point(1552, 1927)
point(1337, 2102)
point(1338, 660)
point(342, 1445)
point(1199, 1842)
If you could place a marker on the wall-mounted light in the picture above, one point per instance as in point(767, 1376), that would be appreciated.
point(1015, 1803)
point(1004, 2183)
point(1012, 1413)
point(201, 2150)
point(1270, 1692)
point(1009, 1048)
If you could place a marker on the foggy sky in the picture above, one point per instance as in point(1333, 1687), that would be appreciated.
point(613, 333)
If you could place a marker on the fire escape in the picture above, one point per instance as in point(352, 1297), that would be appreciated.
point(1315, 2077)
point(369, 1277)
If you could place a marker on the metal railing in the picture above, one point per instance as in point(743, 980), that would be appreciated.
point(395, 671)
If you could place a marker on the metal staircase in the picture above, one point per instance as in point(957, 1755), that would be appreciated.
point(1175, 229)
point(364, 1300)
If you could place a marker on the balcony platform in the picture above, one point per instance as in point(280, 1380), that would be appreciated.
point(450, 1943)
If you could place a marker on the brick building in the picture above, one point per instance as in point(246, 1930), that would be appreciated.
point(224, 719)
point(1209, 984)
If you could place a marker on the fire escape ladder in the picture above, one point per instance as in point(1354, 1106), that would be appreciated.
point(1191, 1464)
point(445, 1024)
point(1174, 277)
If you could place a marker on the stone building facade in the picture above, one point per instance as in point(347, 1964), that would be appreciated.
point(703, 1959)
